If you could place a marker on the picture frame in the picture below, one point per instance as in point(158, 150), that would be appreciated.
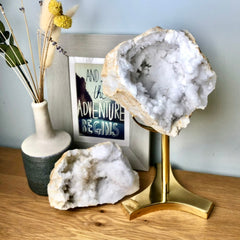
point(90, 46)
point(96, 118)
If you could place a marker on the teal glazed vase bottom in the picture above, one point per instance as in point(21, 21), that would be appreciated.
point(38, 171)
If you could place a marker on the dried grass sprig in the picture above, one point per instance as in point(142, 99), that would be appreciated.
point(47, 37)
point(17, 62)
point(35, 83)
point(55, 37)
point(13, 35)
point(45, 16)
point(22, 79)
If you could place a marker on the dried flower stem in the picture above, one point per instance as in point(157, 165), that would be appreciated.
point(15, 40)
point(28, 88)
point(12, 64)
point(39, 44)
point(43, 56)
point(14, 57)
point(46, 51)
point(35, 83)
point(27, 82)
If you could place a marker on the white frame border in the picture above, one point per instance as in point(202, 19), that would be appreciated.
point(77, 138)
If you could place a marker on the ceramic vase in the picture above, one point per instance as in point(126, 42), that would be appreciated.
point(41, 150)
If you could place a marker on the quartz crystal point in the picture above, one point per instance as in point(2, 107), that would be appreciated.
point(88, 177)
point(161, 77)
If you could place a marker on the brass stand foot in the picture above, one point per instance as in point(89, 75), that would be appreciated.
point(176, 197)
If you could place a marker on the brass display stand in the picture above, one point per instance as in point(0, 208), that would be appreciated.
point(166, 193)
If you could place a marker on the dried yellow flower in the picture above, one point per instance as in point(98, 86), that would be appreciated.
point(63, 21)
point(55, 7)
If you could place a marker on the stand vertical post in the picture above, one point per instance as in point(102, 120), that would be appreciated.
point(166, 193)
point(165, 167)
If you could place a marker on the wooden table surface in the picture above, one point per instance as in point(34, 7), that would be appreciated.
point(25, 215)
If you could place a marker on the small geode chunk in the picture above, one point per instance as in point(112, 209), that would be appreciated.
point(88, 177)
point(160, 76)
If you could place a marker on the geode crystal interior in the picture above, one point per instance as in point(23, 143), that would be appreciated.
point(88, 177)
point(160, 76)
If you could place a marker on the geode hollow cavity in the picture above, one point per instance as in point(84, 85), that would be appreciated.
point(88, 177)
point(160, 76)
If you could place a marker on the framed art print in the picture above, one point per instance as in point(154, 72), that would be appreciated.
point(77, 103)
point(96, 118)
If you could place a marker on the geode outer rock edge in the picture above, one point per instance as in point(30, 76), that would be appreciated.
point(88, 177)
point(160, 76)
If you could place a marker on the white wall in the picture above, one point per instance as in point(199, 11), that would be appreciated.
point(211, 143)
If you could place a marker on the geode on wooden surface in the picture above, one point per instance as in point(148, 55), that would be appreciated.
point(88, 177)
point(160, 76)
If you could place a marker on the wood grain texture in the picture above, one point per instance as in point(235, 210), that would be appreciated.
point(25, 215)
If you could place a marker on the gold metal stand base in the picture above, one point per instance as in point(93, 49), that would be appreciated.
point(176, 197)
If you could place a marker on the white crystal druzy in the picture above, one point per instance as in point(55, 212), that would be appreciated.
point(88, 177)
point(161, 77)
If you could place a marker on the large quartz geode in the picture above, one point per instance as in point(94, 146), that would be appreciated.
point(160, 76)
point(88, 177)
